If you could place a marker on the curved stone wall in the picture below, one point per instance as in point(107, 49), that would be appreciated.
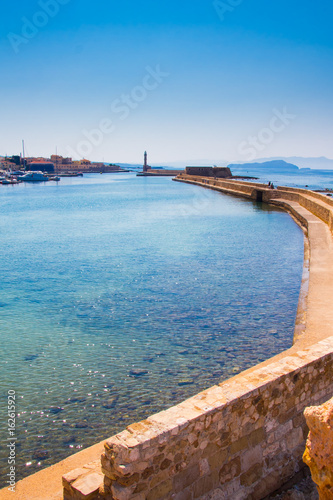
point(243, 438)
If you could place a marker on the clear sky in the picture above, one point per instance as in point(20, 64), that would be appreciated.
point(190, 79)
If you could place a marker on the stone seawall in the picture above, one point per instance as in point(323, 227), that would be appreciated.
point(241, 439)
point(316, 203)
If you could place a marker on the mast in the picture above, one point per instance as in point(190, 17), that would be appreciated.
point(23, 154)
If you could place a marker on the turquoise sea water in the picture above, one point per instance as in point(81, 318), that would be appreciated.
point(123, 295)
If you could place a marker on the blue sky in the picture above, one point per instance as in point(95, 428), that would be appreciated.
point(190, 80)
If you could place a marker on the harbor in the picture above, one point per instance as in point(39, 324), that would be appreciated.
point(90, 313)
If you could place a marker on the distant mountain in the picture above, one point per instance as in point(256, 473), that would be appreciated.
point(273, 166)
point(321, 163)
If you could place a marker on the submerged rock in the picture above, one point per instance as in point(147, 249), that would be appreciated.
point(83, 424)
point(138, 373)
point(111, 402)
point(185, 382)
point(41, 455)
point(55, 409)
point(148, 360)
point(31, 357)
point(69, 440)
point(75, 400)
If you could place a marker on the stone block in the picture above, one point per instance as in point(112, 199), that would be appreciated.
point(205, 484)
point(251, 457)
point(294, 438)
point(158, 478)
point(84, 483)
point(165, 464)
point(257, 437)
point(230, 470)
point(238, 445)
point(73, 475)
point(147, 472)
point(140, 487)
point(160, 491)
point(182, 495)
point(217, 460)
point(121, 493)
point(210, 449)
point(186, 478)
point(270, 483)
point(251, 476)
point(128, 480)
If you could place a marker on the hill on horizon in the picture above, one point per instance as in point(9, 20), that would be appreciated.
point(316, 163)
point(278, 166)
point(321, 163)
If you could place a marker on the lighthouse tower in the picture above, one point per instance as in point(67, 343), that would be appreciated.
point(145, 164)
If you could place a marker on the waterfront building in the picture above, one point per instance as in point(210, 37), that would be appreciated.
point(60, 160)
point(42, 166)
point(7, 165)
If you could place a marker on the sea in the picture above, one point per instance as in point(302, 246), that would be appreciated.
point(304, 178)
point(122, 295)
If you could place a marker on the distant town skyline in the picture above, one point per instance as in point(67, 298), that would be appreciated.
point(231, 80)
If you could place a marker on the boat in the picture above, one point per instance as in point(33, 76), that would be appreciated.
point(9, 180)
point(72, 174)
point(54, 178)
point(34, 177)
point(18, 173)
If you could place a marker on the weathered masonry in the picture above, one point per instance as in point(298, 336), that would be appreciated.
point(217, 172)
point(243, 438)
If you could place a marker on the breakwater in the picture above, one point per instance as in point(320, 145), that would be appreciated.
point(248, 431)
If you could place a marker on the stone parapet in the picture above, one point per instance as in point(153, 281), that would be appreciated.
point(241, 439)
point(316, 203)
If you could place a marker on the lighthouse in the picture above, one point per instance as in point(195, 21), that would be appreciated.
point(146, 167)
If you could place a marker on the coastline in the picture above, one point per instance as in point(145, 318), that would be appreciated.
point(307, 332)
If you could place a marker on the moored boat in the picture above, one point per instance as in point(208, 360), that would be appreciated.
point(9, 180)
point(34, 177)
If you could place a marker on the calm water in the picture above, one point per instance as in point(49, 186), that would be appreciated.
point(121, 296)
point(304, 178)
